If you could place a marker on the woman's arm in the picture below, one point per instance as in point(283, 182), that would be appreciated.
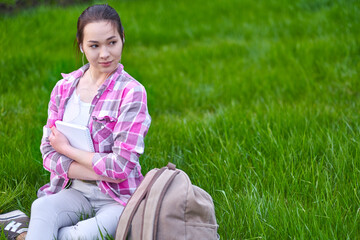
point(127, 135)
point(78, 171)
point(53, 161)
point(61, 145)
point(81, 168)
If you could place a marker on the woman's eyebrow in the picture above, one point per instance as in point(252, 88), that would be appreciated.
point(109, 38)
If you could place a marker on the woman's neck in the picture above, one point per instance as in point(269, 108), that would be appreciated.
point(96, 77)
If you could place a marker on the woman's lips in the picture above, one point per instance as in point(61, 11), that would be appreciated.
point(105, 64)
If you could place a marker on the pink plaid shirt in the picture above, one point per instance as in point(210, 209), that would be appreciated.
point(119, 121)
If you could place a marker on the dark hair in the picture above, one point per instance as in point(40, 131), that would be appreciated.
point(98, 13)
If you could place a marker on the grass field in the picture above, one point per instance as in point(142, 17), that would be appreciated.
point(258, 101)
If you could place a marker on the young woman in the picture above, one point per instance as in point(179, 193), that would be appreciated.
point(88, 190)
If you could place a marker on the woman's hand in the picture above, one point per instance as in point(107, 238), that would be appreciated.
point(58, 141)
point(107, 179)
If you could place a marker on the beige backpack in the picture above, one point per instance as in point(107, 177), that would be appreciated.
point(167, 206)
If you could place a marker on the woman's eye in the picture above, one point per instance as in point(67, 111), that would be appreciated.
point(94, 46)
point(112, 42)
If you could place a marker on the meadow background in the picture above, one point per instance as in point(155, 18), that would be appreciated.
point(258, 101)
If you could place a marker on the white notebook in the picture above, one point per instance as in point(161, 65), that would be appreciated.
point(78, 136)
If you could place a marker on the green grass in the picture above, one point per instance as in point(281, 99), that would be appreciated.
point(258, 101)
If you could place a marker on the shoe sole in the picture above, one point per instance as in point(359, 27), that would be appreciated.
point(12, 215)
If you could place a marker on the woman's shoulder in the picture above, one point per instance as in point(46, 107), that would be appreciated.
point(126, 82)
point(72, 76)
point(68, 79)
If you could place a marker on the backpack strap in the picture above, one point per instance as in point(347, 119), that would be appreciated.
point(154, 200)
point(134, 202)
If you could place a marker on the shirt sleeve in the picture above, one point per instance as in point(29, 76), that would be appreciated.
point(53, 161)
point(128, 134)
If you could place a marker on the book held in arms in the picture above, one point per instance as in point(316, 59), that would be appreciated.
point(78, 136)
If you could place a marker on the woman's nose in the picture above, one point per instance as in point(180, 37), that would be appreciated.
point(104, 53)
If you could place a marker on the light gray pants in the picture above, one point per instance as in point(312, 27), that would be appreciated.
point(80, 212)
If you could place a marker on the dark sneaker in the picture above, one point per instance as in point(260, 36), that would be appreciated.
point(13, 224)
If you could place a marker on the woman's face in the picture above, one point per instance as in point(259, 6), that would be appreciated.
point(102, 46)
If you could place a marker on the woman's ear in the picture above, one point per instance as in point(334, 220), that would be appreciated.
point(81, 49)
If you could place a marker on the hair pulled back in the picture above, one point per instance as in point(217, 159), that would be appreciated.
point(97, 13)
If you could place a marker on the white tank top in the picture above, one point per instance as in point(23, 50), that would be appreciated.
point(77, 111)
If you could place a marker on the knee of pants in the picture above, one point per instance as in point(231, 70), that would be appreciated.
point(45, 208)
point(41, 208)
point(71, 232)
point(81, 231)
